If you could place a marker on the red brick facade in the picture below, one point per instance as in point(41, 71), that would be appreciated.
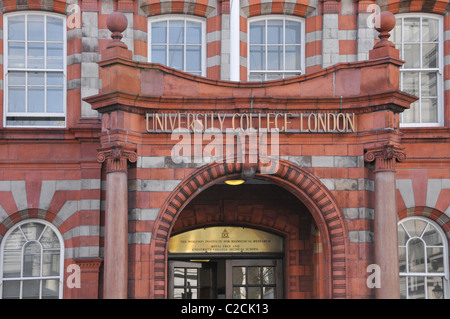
point(322, 198)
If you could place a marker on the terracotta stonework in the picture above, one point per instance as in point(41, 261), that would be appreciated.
point(329, 167)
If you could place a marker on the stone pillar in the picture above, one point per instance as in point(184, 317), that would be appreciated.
point(116, 221)
point(385, 156)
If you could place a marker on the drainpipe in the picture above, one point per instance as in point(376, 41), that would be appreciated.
point(234, 40)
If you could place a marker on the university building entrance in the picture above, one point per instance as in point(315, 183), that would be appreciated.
point(225, 262)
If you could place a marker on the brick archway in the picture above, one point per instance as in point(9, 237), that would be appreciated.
point(301, 183)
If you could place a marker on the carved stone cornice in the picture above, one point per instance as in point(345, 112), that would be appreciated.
point(116, 158)
point(386, 155)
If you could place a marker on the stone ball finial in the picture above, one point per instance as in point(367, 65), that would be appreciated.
point(117, 23)
point(387, 22)
point(384, 25)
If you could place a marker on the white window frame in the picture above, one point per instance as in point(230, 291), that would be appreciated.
point(184, 18)
point(302, 45)
point(440, 69)
point(60, 278)
point(6, 113)
point(445, 274)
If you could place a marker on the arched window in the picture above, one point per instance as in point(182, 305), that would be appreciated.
point(423, 259)
point(275, 47)
point(32, 260)
point(178, 42)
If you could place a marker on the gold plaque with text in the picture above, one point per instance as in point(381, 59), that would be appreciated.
point(226, 240)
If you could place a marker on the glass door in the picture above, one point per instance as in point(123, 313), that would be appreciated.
point(192, 280)
point(254, 279)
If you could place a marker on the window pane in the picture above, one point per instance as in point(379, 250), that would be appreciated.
point(253, 276)
point(159, 54)
point(16, 99)
point(254, 293)
point(275, 58)
point(178, 293)
point(416, 255)
point(430, 30)
point(429, 110)
point(239, 276)
point(35, 55)
point(194, 58)
point(402, 259)
point(257, 33)
point(50, 263)
point(16, 28)
point(415, 227)
point(49, 239)
point(15, 240)
point(193, 33)
point(178, 277)
point(403, 287)
point(12, 261)
point(30, 289)
point(33, 230)
point(416, 287)
point(435, 257)
point(268, 277)
point(292, 35)
point(16, 54)
point(159, 32)
point(50, 289)
point(396, 33)
point(432, 236)
point(55, 99)
point(430, 55)
point(411, 29)
point(191, 277)
point(176, 57)
point(275, 31)
point(54, 55)
point(176, 32)
point(11, 289)
point(257, 58)
point(402, 236)
point(54, 29)
point(412, 56)
point(32, 260)
point(412, 114)
point(435, 286)
point(16, 78)
point(269, 293)
point(411, 82)
point(293, 58)
point(36, 99)
point(429, 83)
point(239, 293)
point(36, 78)
point(35, 28)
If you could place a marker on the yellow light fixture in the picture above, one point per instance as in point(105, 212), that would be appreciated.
point(234, 182)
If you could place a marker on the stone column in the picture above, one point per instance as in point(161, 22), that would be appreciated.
point(385, 156)
point(116, 221)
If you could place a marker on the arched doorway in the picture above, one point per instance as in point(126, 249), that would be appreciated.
point(293, 180)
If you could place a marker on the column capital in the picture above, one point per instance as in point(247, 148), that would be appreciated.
point(116, 158)
point(385, 155)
